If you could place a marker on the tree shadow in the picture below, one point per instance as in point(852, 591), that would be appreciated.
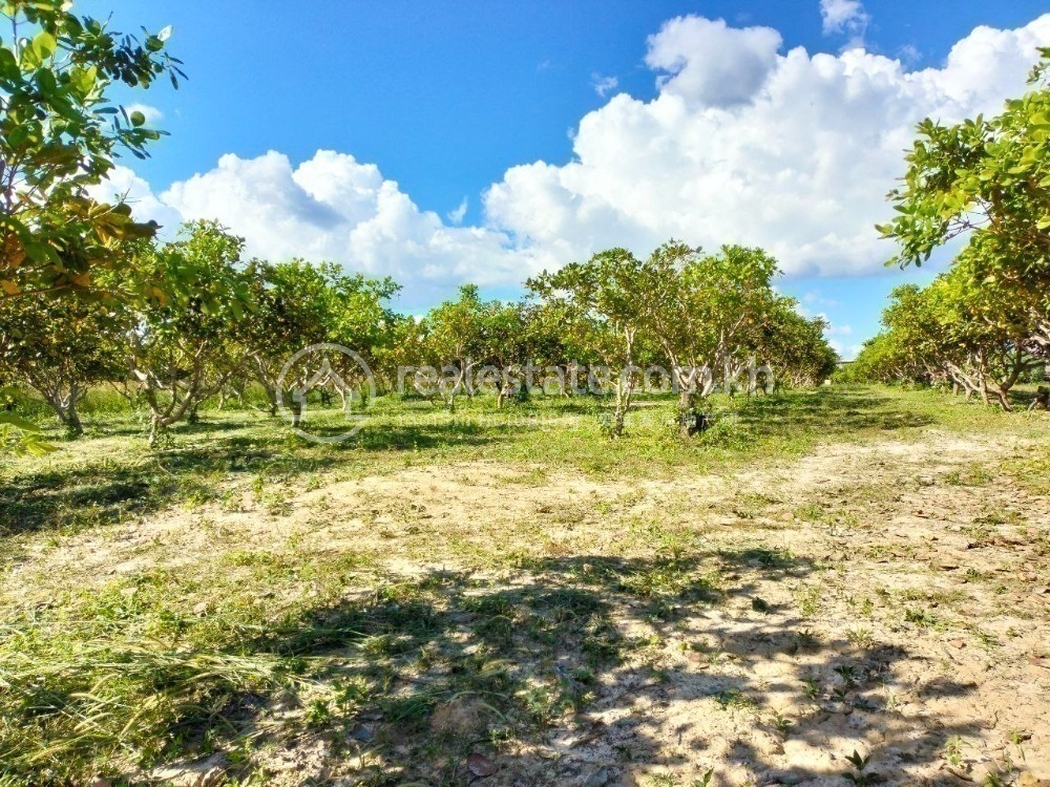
point(561, 674)
point(830, 411)
point(73, 498)
point(106, 490)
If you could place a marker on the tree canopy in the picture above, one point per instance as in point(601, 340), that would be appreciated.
point(60, 133)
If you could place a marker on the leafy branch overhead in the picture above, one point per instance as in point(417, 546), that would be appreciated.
point(60, 133)
point(985, 322)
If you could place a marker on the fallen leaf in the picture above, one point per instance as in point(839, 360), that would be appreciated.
point(481, 766)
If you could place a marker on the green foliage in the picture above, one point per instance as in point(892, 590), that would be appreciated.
point(59, 133)
point(296, 304)
point(987, 321)
point(601, 303)
point(952, 333)
point(21, 437)
point(59, 347)
point(708, 316)
point(184, 348)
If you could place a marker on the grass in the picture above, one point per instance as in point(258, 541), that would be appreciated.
point(270, 591)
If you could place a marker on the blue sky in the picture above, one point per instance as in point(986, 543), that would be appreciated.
point(445, 98)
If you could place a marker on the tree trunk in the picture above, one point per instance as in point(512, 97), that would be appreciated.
point(73, 423)
point(297, 410)
point(65, 407)
point(618, 419)
point(156, 429)
point(686, 407)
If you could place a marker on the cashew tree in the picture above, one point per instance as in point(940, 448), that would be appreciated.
point(61, 346)
point(601, 303)
point(987, 180)
point(184, 346)
point(59, 135)
point(707, 313)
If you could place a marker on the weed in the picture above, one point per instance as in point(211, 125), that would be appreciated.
point(848, 673)
point(734, 699)
point(781, 723)
point(921, 617)
point(861, 637)
point(809, 600)
point(859, 775)
point(953, 751)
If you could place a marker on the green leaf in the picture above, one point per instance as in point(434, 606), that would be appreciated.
point(83, 79)
point(44, 45)
point(19, 423)
point(8, 64)
point(36, 447)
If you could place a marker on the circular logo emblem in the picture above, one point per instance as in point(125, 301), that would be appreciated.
point(331, 370)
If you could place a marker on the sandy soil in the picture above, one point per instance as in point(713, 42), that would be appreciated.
point(889, 598)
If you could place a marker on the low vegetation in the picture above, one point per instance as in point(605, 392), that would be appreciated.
point(385, 609)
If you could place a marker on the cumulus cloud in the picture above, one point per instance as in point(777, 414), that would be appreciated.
point(796, 155)
point(844, 16)
point(333, 207)
point(743, 143)
point(847, 352)
point(909, 55)
point(709, 63)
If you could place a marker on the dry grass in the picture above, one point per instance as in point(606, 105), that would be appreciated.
point(835, 571)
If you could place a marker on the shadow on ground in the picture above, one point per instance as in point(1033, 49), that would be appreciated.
point(578, 671)
point(833, 411)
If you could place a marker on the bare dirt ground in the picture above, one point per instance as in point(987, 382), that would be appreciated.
point(888, 598)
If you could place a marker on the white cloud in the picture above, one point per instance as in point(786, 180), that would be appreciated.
point(909, 55)
point(604, 85)
point(846, 352)
point(709, 63)
point(743, 143)
point(456, 216)
point(817, 298)
point(332, 207)
point(844, 16)
point(796, 155)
